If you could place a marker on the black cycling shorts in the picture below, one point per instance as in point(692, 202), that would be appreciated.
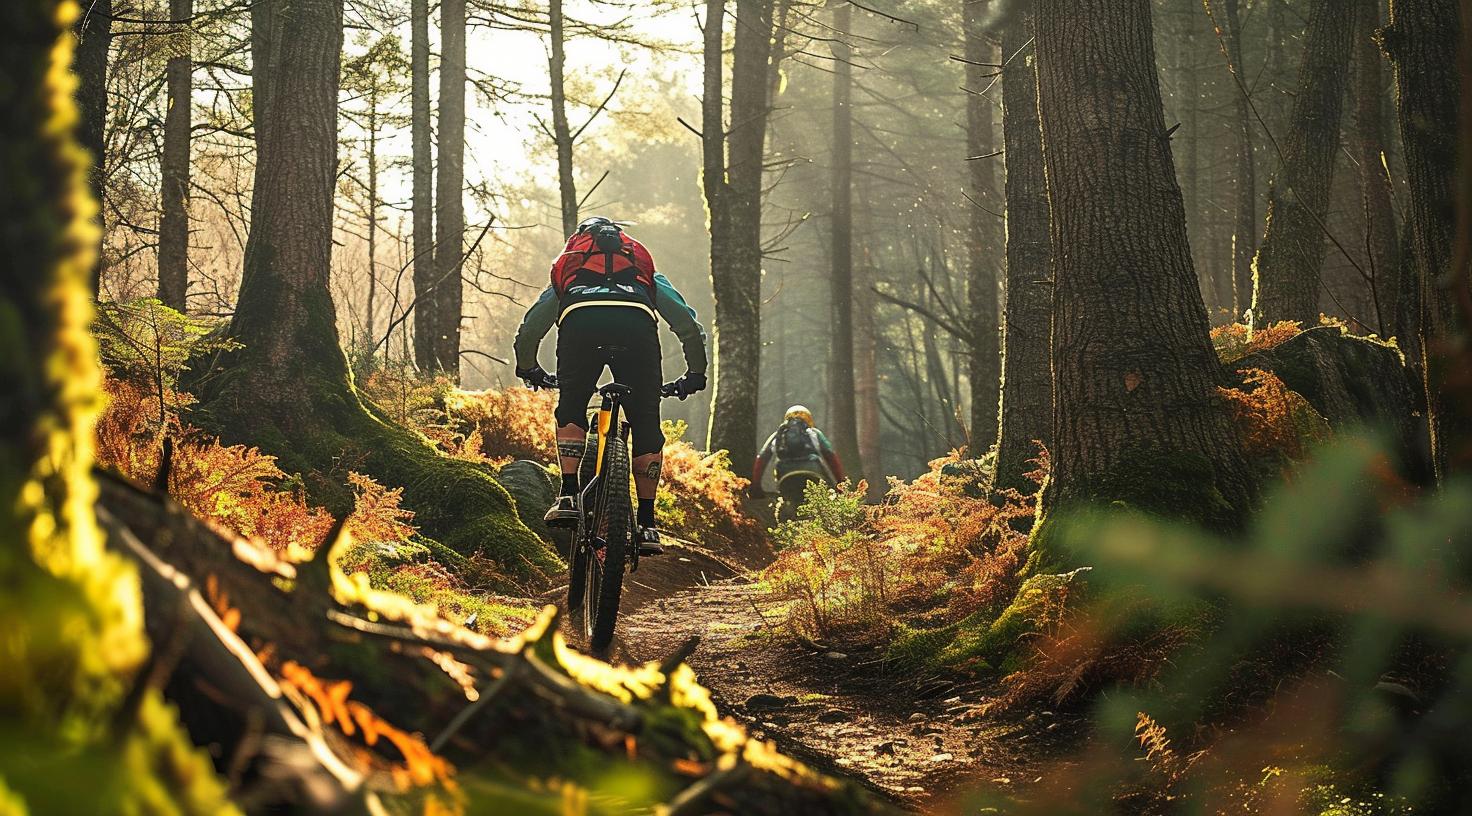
point(626, 341)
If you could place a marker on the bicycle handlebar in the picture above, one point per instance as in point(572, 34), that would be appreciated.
point(667, 391)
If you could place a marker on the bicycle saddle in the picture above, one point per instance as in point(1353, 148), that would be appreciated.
point(615, 389)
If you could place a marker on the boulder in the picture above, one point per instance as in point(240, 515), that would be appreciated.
point(533, 488)
point(1353, 381)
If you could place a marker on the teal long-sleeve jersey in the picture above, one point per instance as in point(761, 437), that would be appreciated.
point(668, 301)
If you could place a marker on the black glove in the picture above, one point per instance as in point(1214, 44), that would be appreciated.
point(536, 377)
point(691, 383)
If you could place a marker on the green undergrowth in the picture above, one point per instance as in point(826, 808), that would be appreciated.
point(452, 585)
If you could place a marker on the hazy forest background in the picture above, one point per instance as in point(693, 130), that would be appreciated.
point(1141, 326)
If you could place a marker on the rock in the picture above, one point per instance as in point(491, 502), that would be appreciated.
point(763, 701)
point(836, 656)
point(886, 747)
point(533, 489)
point(942, 758)
point(917, 717)
point(1352, 381)
point(833, 715)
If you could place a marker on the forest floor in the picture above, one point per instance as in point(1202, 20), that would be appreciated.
point(922, 745)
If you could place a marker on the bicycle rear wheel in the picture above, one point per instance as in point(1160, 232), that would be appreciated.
point(612, 524)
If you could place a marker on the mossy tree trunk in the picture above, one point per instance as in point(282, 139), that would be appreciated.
point(1291, 257)
point(733, 190)
point(1422, 40)
point(1135, 416)
point(288, 390)
point(1027, 378)
point(76, 731)
point(983, 233)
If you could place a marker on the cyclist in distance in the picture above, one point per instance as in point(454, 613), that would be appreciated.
point(803, 455)
point(605, 297)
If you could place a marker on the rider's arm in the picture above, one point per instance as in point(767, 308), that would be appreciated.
point(830, 456)
point(676, 312)
point(759, 467)
point(538, 321)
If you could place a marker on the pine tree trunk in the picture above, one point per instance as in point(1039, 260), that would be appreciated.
point(1422, 40)
point(844, 421)
point(93, 29)
point(1027, 379)
point(1227, 19)
point(561, 132)
point(370, 317)
point(426, 311)
point(866, 376)
point(1382, 249)
point(288, 390)
point(173, 231)
point(1291, 257)
point(1186, 147)
point(449, 253)
point(1136, 417)
point(738, 283)
point(983, 236)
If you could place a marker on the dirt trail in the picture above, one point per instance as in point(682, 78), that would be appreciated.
point(840, 713)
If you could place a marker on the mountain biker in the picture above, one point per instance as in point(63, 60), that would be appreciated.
point(803, 455)
point(604, 296)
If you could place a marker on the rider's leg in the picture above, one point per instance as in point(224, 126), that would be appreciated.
point(638, 366)
point(646, 484)
point(572, 439)
point(578, 368)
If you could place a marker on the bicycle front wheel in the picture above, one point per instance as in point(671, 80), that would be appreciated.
point(612, 524)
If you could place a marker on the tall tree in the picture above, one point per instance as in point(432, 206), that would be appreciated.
point(287, 389)
point(844, 419)
point(983, 238)
point(93, 29)
point(1291, 256)
point(1227, 20)
point(561, 132)
point(373, 80)
point(422, 162)
point(1422, 42)
point(1382, 249)
point(449, 211)
point(732, 178)
point(1135, 416)
point(1026, 413)
point(173, 229)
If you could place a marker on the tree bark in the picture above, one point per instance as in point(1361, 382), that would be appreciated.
point(173, 231)
point(561, 132)
point(1422, 41)
point(1027, 380)
point(1382, 249)
point(1227, 20)
point(734, 195)
point(422, 159)
point(373, 102)
point(93, 30)
point(1290, 259)
point(844, 420)
point(983, 236)
point(449, 253)
point(1136, 417)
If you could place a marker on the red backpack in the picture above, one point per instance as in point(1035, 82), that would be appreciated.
point(603, 264)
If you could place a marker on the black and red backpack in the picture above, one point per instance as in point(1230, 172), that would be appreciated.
point(602, 264)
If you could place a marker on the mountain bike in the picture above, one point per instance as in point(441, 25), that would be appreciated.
point(603, 544)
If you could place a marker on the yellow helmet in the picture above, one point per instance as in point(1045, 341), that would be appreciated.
point(799, 412)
